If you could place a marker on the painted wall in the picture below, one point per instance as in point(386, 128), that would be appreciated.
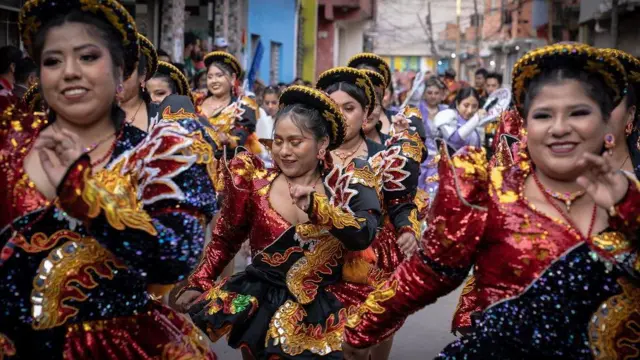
point(274, 21)
point(309, 18)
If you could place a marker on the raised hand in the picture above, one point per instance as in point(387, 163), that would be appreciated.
point(300, 196)
point(606, 185)
point(57, 152)
point(400, 123)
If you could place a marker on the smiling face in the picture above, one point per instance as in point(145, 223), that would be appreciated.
point(467, 107)
point(219, 82)
point(352, 110)
point(563, 122)
point(77, 75)
point(295, 150)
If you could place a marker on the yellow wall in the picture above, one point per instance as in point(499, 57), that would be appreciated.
point(309, 15)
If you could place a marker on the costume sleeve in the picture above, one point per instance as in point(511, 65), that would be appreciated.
point(233, 225)
point(245, 124)
point(456, 223)
point(622, 245)
point(416, 123)
point(151, 205)
point(352, 212)
point(399, 173)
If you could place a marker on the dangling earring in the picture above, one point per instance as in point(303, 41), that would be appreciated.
point(609, 142)
point(321, 154)
point(628, 129)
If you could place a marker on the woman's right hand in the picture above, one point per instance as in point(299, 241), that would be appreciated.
point(187, 299)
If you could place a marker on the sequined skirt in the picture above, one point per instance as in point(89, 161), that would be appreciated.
point(258, 313)
point(159, 333)
point(577, 309)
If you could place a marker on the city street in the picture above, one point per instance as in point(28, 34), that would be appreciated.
point(422, 337)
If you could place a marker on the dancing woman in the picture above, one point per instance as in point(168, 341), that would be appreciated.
point(166, 81)
point(396, 166)
point(134, 99)
point(94, 209)
point(301, 219)
point(530, 210)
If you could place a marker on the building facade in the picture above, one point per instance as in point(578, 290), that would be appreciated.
point(595, 25)
point(273, 23)
point(342, 25)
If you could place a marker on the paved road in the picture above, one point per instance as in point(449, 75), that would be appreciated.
point(422, 336)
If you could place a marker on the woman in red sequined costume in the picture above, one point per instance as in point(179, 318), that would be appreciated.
point(301, 219)
point(94, 209)
point(396, 164)
point(512, 220)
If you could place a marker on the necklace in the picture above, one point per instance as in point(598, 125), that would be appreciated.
point(345, 155)
point(567, 197)
point(133, 118)
point(624, 162)
point(566, 218)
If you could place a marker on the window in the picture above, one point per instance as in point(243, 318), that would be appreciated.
point(274, 64)
point(9, 33)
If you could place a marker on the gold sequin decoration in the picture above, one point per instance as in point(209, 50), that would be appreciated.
point(288, 330)
point(304, 275)
point(383, 292)
point(332, 216)
point(60, 276)
point(117, 195)
point(613, 328)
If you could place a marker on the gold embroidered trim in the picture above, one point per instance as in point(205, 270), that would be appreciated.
point(383, 292)
point(294, 337)
point(331, 216)
point(305, 274)
point(117, 196)
point(228, 302)
point(62, 273)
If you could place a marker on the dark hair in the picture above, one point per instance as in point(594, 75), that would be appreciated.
point(450, 73)
point(190, 38)
point(483, 72)
point(142, 71)
point(166, 78)
point(306, 119)
point(180, 67)
point(162, 53)
point(271, 90)
point(495, 75)
point(308, 83)
point(222, 66)
point(9, 55)
point(591, 83)
point(97, 27)
point(352, 90)
point(464, 93)
point(434, 81)
point(198, 76)
point(24, 68)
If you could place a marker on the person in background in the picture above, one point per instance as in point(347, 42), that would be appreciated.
point(297, 81)
point(308, 83)
point(492, 83)
point(458, 126)
point(164, 56)
point(429, 108)
point(26, 76)
point(192, 53)
point(9, 58)
point(200, 81)
point(479, 82)
point(164, 83)
point(220, 44)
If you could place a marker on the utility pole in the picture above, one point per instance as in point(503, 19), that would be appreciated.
point(614, 23)
point(477, 15)
point(432, 44)
point(550, 22)
point(457, 58)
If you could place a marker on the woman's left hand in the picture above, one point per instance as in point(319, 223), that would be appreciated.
point(606, 185)
point(300, 196)
point(400, 123)
point(57, 152)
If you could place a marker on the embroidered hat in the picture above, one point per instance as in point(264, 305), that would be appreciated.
point(373, 61)
point(224, 58)
point(182, 84)
point(352, 76)
point(150, 53)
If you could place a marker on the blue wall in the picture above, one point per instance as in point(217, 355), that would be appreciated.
point(273, 20)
